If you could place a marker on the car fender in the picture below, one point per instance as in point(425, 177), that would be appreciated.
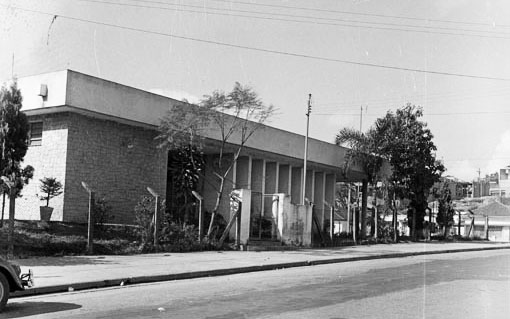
point(12, 277)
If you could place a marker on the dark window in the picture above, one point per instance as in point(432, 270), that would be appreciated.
point(36, 129)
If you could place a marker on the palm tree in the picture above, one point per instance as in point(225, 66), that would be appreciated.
point(365, 150)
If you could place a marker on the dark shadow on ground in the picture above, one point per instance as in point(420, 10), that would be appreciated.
point(32, 308)
point(63, 261)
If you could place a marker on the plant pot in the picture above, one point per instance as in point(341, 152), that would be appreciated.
point(45, 212)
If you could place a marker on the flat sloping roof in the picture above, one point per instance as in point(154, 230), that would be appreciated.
point(77, 92)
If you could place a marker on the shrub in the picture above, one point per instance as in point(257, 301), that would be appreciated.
point(144, 219)
point(385, 231)
point(180, 237)
point(50, 187)
point(102, 214)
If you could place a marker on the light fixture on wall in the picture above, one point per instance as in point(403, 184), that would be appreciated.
point(43, 91)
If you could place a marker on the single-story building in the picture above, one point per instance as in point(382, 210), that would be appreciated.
point(491, 221)
point(88, 129)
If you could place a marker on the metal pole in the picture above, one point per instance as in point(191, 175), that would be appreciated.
point(486, 227)
point(156, 217)
point(200, 222)
point(303, 188)
point(349, 228)
point(375, 222)
point(90, 228)
point(200, 215)
point(430, 221)
point(395, 218)
point(156, 222)
point(331, 223)
point(459, 222)
point(354, 226)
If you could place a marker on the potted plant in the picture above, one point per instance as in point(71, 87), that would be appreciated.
point(51, 188)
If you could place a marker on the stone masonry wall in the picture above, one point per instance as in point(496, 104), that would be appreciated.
point(118, 161)
point(48, 160)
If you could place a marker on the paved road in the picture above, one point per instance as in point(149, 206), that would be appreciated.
point(461, 285)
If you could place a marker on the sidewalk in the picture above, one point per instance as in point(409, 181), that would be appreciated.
point(61, 274)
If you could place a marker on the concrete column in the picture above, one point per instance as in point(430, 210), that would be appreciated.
point(289, 178)
point(271, 180)
point(296, 180)
point(257, 186)
point(310, 185)
point(319, 185)
point(244, 225)
point(243, 173)
point(330, 190)
point(284, 179)
point(271, 187)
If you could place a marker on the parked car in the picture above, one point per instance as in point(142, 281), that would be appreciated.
point(12, 280)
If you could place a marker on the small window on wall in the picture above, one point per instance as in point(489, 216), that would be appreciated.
point(36, 129)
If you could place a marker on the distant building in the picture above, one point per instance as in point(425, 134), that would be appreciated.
point(458, 188)
point(481, 187)
point(500, 182)
point(490, 221)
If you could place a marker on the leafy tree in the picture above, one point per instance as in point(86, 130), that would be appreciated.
point(14, 130)
point(408, 146)
point(445, 210)
point(50, 187)
point(25, 175)
point(185, 164)
point(233, 117)
point(364, 149)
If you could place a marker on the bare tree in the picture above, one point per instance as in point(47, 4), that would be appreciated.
point(232, 118)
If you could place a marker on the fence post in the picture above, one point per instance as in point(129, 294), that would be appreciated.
point(90, 228)
point(200, 217)
point(486, 227)
point(156, 217)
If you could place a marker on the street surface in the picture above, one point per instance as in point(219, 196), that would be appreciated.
point(459, 285)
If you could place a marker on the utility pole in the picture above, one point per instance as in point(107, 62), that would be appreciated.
point(303, 188)
point(361, 119)
point(479, 184)
point(349, 227)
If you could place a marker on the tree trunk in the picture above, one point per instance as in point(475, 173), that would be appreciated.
point(3, 210)
point(413, 228)
point(395, 221)
point(10, 234)
point(219, 196)
point(364, 190)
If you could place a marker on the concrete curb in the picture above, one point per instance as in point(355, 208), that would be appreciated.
point(227, 271)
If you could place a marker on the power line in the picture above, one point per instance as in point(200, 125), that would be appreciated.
point(424, 113)
point(366, 14)
point(283, 53)
point(384, 103)
point(297, 16)
point(494, 92)
point(475, 159)
point(308, 22)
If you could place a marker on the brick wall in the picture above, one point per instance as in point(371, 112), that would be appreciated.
point(118, 161)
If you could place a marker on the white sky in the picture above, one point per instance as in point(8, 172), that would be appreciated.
point(469, 117)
